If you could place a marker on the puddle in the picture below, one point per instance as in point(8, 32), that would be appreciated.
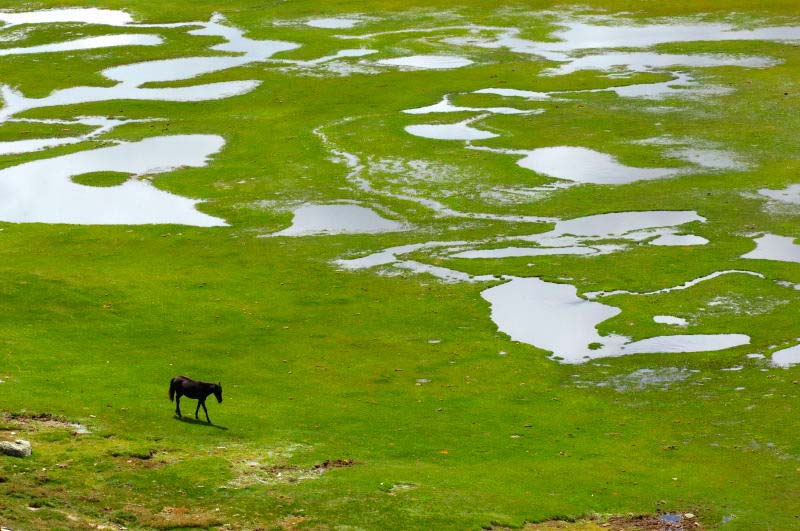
point(589, 231)
point(713, 159)
point(427, 62)
point(103, 125)
point(574, 38)
point(681, 85)
point(578, 35)
point(80, 429)
point(341, 54)
point(515, 93)
point(650, 61)
point(333, 23)
point(787, 284)
point(511, 252)
point(670, 320)
point(582, 165)
point(391, 256)
point(88, 15)
point(585, 165)
point(787, 357)
point(35, 144)
point(385, 257)
point(89, 43)
point(567, 237)
point(458, 131)
point(580, 236)
point(685, 285)
point(671, 519)
point(686, 343)
point(338, 219)
point(42, 191)
point(552, 317)
point(790, 194)
point(772, 247)
point(446, 106)
point(16, 103)
point(679, 240)
point(442, 273)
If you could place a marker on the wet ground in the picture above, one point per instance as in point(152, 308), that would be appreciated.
point(44, 190)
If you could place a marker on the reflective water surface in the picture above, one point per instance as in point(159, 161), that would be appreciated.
point(338, 219)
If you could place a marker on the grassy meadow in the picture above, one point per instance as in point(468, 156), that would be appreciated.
point(448, 423)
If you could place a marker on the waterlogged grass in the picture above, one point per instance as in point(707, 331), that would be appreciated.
point(450, 424)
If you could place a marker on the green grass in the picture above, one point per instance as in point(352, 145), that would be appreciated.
point(101, 178)
point(319, 364)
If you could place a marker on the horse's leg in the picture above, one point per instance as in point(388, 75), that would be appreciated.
point(178, 405)
point(206, 410)
point(196, 411)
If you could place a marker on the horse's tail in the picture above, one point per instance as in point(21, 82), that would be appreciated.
point(172, 390)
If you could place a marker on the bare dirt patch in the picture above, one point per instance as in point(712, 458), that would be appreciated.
point(40, 421)
point(253, 472)
point(178, 517)
point(336, 463)
point(642, 522)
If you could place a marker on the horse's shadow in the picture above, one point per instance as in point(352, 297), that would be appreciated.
point(199, 422)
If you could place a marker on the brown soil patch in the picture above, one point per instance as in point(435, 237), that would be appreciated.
point(290, 523)
point(336, 463)
point(178, 517)
point(642, 522)
point(649, 522)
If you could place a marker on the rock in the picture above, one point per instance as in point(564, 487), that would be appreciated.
point(18, 448)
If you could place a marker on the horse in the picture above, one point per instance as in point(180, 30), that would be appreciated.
point(183, 386)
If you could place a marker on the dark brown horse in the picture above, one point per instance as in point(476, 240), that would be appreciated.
point(183, 386)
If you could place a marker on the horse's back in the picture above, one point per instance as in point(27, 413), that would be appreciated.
point(187, 387)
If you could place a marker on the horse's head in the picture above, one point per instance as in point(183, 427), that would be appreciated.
point(218, 392)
